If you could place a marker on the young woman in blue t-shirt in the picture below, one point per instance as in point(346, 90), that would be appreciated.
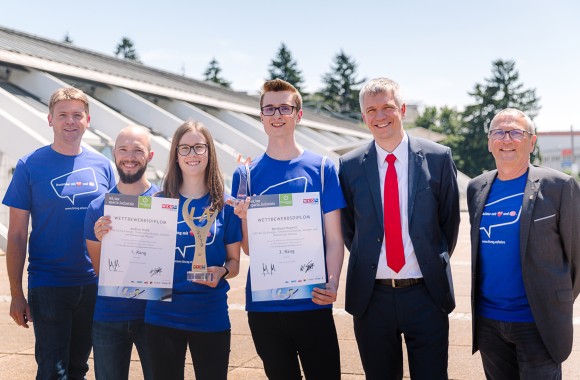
point(197, 315)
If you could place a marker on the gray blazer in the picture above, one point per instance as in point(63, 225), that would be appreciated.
point(433, 211)
point(549, 251)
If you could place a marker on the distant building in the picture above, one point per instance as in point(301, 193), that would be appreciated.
point(122, 93)
point(560, 150)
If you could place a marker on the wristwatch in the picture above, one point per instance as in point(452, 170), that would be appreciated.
point(225, 274)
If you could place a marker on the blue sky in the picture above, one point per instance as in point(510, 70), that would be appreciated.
point(436, 50)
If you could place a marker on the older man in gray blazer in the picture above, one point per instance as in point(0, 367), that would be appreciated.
point(525, 257)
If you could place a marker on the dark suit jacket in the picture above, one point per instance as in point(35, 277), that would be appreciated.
point(433, 212)
point(549, 251)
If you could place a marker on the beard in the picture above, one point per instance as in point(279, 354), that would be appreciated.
point(131, 178)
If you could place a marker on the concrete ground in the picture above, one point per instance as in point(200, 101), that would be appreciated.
point(17, 344)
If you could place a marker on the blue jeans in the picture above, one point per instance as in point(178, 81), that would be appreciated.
point(62, 319)
point(112, 346)
point(514, 350)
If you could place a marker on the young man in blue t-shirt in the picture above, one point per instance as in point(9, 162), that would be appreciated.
point(52, 187)
point(119, 322)
point(283, 328)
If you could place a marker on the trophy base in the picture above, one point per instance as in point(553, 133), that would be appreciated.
point(199, 276)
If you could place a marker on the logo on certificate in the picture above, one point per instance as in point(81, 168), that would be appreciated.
point(144, 202)
point(285, 199)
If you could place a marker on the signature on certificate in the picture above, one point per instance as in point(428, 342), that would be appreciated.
point(114, 265)
point(306, 267)
point(268, 269)
point(155, 271)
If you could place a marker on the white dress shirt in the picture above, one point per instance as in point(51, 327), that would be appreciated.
point(411, 268)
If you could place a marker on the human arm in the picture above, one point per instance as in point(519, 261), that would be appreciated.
point(334, 258)
point(449, 214)
point(232, 264)
point(94, 233)
point(568, 228)
point(241, 210)
point(347, 213)
point(15, 259)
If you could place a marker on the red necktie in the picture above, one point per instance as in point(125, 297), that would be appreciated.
point(392, 218)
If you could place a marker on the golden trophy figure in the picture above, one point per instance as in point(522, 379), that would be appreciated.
point(206, 220)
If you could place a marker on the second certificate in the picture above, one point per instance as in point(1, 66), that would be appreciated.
point(286, 246)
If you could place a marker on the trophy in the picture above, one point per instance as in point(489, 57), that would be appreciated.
point(243, 187)
point(199, 265)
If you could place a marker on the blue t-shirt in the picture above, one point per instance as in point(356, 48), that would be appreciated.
point(56, 189)
point(502, 295)
point(113, 309)
point(299, 175)
point(197, 307)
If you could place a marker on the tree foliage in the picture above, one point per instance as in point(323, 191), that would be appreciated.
point(284, 67)
point(126, 50)
point(212, 74)
point(502, 90)
point(341, 87)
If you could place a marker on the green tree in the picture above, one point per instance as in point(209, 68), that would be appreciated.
point(341, 88)
point(284, 67)
point(126, 50)
point(446, 121)
point(502, 90)
point(212, 74)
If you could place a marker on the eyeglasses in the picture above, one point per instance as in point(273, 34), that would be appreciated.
point(185, 149)
point(271, 110)
point(515, 134)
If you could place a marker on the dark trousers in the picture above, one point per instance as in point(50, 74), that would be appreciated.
point(281, 337)
point(210, 353)
point(62, 320)
point(112, 346)
point(514, 350)
point(404, 311)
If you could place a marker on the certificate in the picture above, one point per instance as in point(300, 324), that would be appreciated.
point(286, 246)
point(138, 254)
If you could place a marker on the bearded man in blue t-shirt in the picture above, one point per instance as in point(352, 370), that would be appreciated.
point(118, 322)
point(52, 187)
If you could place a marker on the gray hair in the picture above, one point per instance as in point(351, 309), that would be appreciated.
point(516, 114)
point(380, 86)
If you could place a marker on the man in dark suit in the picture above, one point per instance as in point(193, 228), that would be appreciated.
point(525, 254)
point(400, 226)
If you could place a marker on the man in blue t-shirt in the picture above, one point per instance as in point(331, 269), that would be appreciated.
point(285, 327)
point(525, 249)
point(119, 322)
point(52, 187)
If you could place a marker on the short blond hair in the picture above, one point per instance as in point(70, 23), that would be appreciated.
point(68, 93)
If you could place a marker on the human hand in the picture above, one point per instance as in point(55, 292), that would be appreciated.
point(324, 296)
point(241, 207)
point(217, 272)
point(20, 311)
point(102, 227)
